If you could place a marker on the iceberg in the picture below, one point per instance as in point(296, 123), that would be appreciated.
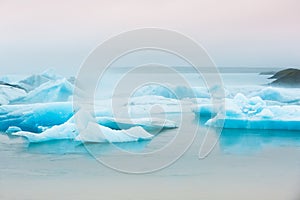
point(40, 88)
point(34, 117)
point(52, 91)
point(36, 80)
point(272, 95)
point(93, 133)
point(284, 95)
point(152, 100)
point(178, 92)
point(146, 123)
point(252, 113)
point(40, 116)
point(142, 106)
point(57, 132)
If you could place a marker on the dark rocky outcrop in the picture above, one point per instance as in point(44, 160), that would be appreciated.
point(286, 78)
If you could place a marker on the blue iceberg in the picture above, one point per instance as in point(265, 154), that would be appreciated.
point(35, 117)
point(93, 132)
point(252, 113)
point(52, 91)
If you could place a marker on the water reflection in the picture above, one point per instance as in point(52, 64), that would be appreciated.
point(74, 147)
point(243, 141)
point(251, 141)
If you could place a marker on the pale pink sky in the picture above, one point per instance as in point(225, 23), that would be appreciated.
point(60, 34)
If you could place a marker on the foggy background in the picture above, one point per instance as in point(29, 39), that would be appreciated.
point(37, 35)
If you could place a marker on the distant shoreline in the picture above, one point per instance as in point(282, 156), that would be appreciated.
point(189, 69)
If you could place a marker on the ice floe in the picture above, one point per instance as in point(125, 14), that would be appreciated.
point(252, 113)
point(93, 132)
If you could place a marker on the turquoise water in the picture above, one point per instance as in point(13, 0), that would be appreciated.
point(245, 164)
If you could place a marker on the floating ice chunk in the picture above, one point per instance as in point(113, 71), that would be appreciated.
point(236, 107)
point(51, 91)
point(178, 92)
point(98, 133)
point(45, 87)
point(193, 92)
point(152, 99)
point(40, 116)
point(146, 123)
point(144, 106)
point(273, 94)
point(154, 90)
point(156, 105)
point(252, 113)
point(85, 129)
point(64, 131)
point(255, 123)
point(93, 133)
point(274, 117)
point(36, 80)
point(204, 110)
point(31, 117)
point(284, 95)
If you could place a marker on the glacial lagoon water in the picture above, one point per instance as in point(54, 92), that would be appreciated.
point(245, 163)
